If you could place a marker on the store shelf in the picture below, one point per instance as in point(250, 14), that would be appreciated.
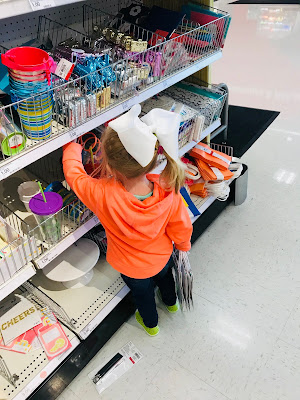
point(13, 8)
point(104, 312)
point(32, 369)
point(204, 134)
point(15, 281)
point(66, 242)
point(71, 231)
point(31, 154)
point(88, 305)
point(203, 204)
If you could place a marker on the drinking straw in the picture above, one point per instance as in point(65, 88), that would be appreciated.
point(41, 190)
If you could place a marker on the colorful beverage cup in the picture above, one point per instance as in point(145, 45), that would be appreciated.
point(47, 215)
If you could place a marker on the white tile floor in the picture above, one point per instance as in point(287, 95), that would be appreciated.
point(242, 341)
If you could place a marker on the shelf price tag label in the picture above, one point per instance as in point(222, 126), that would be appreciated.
point(73, 134)
point(47, 259)
point(43, 262)
point(96, 219)
point(64, 69)
point(6, 171)
point(41, 4)
point(125, 105)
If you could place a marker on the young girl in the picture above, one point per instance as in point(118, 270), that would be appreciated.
point(142, 214)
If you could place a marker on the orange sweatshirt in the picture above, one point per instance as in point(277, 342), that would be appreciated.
point(139, 233)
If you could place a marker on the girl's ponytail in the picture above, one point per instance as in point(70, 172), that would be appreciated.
point(173, 175)
point(117, 161)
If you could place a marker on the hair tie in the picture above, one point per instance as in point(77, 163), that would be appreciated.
point(160, 150)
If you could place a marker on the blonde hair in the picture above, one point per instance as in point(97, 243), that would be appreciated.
point(116, 160)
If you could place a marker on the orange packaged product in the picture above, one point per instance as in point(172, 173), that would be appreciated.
point(212, 173)
point(199, 189)
point(212, 157)
point(205, 171)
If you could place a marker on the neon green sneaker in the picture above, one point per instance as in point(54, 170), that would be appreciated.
point(171, 309)
point(151, 331)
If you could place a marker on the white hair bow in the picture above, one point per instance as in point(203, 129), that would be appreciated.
point(139, 136)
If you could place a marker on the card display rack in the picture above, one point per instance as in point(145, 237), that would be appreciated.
point(27, 371)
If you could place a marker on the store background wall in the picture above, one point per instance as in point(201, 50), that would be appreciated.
point(16, 30)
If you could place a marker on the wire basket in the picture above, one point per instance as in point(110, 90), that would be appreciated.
point(72, 216)
point(98, 235)
point(45, 233)
point(6, 374)
point(207, 99)
point(18, 247)
point(94, 18)
point(199, 111)
point(81, 99)
point(41, 300)
point(223, 148)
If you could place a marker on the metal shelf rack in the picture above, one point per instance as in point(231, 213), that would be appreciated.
point(194, 57)
point(89, 305)
point(73, 227)
point(30, 370)
point(107, 289)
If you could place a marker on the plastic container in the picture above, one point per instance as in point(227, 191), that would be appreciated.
point(30, 77)
point(13, 143)
point(26, 191)
point(28, 59)
point(45, 213)
point(75, 210)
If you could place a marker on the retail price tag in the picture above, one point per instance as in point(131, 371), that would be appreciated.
point(4, 172)
point(96, 219)
point(85, 332)
point(47, 259)
point(125, 105)
point(27, 391)
point(128, 104)
point(15, 141)
point(41, 4)
point(64, 69)
point(7, 171)
point(43, 262)
point(73, 134)
point(165, 84)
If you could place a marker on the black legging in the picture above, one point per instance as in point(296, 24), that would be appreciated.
point(143, 293)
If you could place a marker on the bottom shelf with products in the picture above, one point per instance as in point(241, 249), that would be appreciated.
point(26, 365)
point(32, 369)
